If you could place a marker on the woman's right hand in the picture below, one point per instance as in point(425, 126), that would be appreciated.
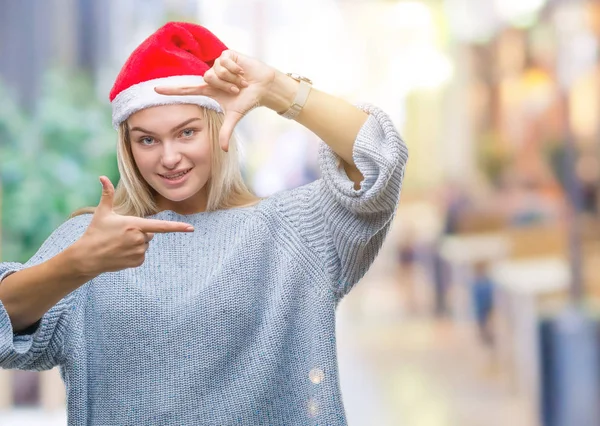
point(113, 242)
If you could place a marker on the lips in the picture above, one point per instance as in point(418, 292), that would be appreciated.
point(175, 175)
point(175, 180)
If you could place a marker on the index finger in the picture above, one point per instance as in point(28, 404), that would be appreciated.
point(202, 90)
point(162, 226)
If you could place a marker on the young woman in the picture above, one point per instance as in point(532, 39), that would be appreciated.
point(182, 299)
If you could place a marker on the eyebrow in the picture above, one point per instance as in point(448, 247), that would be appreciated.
point(179, 126)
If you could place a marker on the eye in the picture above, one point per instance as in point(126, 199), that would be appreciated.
point(147, 140)
point(188, 133)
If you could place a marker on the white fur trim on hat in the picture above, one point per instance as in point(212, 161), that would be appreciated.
point(143, 95)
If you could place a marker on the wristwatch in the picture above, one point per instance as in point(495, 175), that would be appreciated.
point(301, 96)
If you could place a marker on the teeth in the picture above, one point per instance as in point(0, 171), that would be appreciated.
point(175, 176)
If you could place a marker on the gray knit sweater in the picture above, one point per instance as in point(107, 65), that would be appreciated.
point(233, 324)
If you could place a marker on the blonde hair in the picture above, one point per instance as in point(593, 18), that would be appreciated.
point(226, 187)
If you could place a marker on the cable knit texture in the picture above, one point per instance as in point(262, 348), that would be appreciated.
point(233, 324)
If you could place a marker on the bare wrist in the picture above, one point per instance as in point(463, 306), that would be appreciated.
point(281, 93)
point(76, 260)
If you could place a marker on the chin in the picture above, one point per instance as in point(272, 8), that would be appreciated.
point(179, 194)
point(176, 196)
point(175, 199)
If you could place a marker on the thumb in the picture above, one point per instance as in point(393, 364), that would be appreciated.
point(108, 192)
point(231, 120)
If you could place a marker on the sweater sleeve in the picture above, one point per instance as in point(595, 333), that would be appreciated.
point(40, 346)
point(344, 226)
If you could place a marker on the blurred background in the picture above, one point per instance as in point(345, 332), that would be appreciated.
point(481, 308)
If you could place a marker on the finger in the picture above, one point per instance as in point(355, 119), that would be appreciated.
point(202, 90)
point(235, 69)
point(160, 226)
point(148, 236)
point(106, 199)
point(226, 75)
point(215, 81)
point(228, 63)
point(231, 120)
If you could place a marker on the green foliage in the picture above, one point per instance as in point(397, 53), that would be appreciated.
point(50, 160)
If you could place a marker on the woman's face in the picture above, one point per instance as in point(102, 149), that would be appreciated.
point(171, 147)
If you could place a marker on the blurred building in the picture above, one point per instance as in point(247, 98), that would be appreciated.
point(36, 35)
point(89, 35)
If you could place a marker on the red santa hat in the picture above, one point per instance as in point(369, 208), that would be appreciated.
point(177, 54)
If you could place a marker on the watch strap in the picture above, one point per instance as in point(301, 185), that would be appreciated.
point(299, 101)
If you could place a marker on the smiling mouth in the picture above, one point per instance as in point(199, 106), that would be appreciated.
point(176, 176)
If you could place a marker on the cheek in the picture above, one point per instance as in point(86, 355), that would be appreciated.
point(202, 155)
point(143, 162)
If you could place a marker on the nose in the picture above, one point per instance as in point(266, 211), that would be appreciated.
point(170, 156)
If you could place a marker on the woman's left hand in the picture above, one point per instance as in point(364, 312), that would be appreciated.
point(237, 82)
